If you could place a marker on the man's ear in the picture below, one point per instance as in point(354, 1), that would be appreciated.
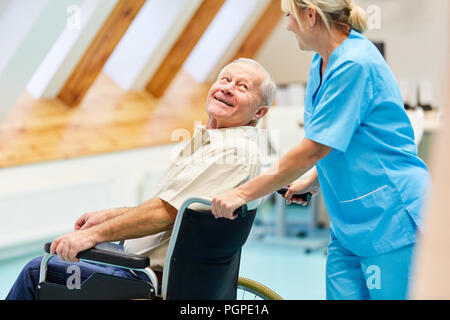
point(262, 111)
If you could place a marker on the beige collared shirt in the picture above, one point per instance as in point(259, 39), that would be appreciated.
point(212, 162)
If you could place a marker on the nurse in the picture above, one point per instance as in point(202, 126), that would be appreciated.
point(360, 142)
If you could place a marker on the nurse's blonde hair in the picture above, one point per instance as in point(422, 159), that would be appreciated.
point(333, 13)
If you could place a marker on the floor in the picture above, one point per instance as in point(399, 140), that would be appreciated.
point(280, 263)
point(286, 269)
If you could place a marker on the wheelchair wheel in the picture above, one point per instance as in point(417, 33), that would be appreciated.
point(248, 289)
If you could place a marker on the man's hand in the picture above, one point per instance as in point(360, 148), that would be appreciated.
point(224, 205)
point(91, 219)
point(69, 245)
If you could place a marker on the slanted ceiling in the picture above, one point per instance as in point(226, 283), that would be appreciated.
point(91, 113)
point(99, 51)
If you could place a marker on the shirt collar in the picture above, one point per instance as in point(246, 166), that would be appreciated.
point(224, 136)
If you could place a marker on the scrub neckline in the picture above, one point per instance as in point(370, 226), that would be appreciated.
point(333, 53)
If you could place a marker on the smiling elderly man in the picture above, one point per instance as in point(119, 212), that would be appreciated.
point(219, 157)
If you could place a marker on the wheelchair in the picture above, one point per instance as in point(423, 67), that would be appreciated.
point(202, 263)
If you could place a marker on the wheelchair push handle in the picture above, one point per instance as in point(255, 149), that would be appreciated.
point(304, 196)
point(241, 211)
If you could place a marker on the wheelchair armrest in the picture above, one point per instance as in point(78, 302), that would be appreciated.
point(112, 254)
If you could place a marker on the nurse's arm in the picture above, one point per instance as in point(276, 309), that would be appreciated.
point(291, 166)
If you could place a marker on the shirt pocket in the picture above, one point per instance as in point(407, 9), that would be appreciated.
point(372, 205)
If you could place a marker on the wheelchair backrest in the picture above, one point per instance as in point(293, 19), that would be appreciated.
point(203, 260)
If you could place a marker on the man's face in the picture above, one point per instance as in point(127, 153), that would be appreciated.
point(235, 98)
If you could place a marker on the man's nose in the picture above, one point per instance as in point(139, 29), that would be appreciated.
point(228, 89)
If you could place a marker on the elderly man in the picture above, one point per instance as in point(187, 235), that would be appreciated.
point(219, 157)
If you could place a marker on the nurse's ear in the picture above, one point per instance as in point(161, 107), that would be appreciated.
point(310, 15)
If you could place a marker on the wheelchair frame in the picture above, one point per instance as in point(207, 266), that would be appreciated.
point(131, 261)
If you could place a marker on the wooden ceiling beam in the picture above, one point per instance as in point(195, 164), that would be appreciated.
point(182, 48)
point(261, 31)
point(101, 48)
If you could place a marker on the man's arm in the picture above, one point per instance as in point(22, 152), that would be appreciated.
point(157, 215)
point(90, 219)
point(150, 217)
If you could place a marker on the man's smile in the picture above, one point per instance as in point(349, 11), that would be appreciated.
point(223, 101)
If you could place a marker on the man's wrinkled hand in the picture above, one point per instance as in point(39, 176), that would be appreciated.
point(224, 205)
point(91, 219)
point(69, 245)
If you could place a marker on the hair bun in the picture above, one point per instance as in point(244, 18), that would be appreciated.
point(358, 18)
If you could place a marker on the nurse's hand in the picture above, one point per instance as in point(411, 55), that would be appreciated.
point(224, 205)
point(301, 186)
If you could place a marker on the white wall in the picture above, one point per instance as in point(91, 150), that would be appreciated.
point(11, 33)
point(28, 29)
point(416, 36)
point(67, 51)
point(42, 201)
point(282, 57)
point(4, 4)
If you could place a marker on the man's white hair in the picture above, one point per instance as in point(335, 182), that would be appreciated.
point(268, 87)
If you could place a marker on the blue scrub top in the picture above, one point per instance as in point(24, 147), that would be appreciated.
point(373, 182)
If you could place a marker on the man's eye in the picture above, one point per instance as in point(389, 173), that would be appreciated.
point(244, 87)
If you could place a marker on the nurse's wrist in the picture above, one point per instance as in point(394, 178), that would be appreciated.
point(310, 179)
point(241, 194)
